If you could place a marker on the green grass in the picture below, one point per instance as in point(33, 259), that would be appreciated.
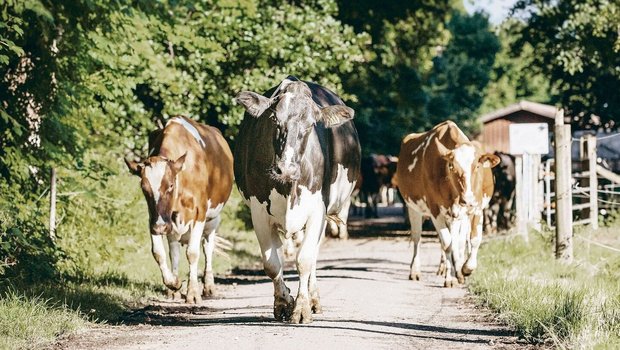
point(31, 322)
point(569, 306)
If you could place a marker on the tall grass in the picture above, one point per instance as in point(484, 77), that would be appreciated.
point(31, 322)
point(569, 306)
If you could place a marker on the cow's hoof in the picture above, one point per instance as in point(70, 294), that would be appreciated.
point(316, 306)
point(283, 308)
point(174, 295)
point(442, 269)
point(414, 276)
point(174, 284)
point(208, 291)
point(467, 270)
point(449, 284)
point(193, 294)
point(302, 312)
point(460, 279)
point(343, 232)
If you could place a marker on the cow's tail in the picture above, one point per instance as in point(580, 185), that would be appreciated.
point(223, 246)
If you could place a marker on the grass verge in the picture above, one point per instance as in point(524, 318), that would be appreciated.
point(568, 306)
point(31, 322)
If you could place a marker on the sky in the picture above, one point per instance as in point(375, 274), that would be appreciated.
point(497, 9)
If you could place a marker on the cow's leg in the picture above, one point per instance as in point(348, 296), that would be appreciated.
point(445, 238)
point(208, 246)
point(416, 235)
point(271, 251)
point(193, 255)
point(159, 253)
point(306, 262)
point(460, 228)
point(442, 264)
point(315, 300)
point(343, 215)
point(174, 247)
point(475, 240)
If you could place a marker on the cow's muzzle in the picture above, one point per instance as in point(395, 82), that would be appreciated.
point(287, 172)
point(160, 229)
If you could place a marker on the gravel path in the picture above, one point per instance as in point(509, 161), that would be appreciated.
point(368, 303)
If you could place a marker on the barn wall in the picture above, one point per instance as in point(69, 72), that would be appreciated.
point(495, 134)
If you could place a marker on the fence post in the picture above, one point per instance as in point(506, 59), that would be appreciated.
point(520, 190)
point(593, 180)
point(548, 191)
point(53, 205)
point(563, 195)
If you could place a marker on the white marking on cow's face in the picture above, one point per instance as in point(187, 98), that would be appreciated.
point(154, 175)
point(190, 128)
point(288, 155)
point(160, 221)
point(340, 191)
point(464, 156)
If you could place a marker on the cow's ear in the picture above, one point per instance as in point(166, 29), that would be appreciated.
point(336, 115)
point(489, 160)
point(134, 167)
point(444, 152)
point(177, 165)
point(255, 104)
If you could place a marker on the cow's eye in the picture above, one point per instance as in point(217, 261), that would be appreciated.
point(171, 187)
point(451, 166)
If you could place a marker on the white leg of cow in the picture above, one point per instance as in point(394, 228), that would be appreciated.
point(459, 229)
point(442, 264)
point(416, 235)
point(476, 239)
point(446, 241)
point(306, 260)
point(315, 299)
point(208, 246)
point(271, 246)
point(343, 215)
point(174, 247)
point(159, 253)
point(193, 255)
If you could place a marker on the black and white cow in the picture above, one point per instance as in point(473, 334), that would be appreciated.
point(297, 159)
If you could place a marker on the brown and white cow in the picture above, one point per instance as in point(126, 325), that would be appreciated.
point(483, 184)
point(437, 176)
point(186, 180)
point(297, 158)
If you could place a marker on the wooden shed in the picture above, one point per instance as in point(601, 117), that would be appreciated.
point(495, 125)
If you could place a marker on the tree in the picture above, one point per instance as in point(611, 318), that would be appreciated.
point(85, 81)
point(462, 71)
point(390, 82)
point(577, 46)
point(512, 79)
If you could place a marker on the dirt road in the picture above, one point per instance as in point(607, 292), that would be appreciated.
point(367, 299)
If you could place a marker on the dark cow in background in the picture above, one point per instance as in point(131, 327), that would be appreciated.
point(438, 177)
point(499, 214)
point(376, 173)
point(297, 159)
point(186, 180)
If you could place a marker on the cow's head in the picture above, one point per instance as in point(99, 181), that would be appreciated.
point(159, 184)
point(295, 115)
point(462, 168)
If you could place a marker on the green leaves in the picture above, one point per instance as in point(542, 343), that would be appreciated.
point(576, 44)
